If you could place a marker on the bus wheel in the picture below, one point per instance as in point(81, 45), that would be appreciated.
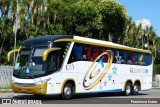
point(128, 89)
point(67, 91)
point(135, 89)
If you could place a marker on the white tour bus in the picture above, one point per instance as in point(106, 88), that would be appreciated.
point(65, 65)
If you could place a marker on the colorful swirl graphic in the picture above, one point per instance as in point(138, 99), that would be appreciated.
point(97, 71)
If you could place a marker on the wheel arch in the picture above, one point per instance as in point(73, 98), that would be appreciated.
point(71, 81)
point(128, 81)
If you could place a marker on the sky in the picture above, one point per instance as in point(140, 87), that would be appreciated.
point(144, 9)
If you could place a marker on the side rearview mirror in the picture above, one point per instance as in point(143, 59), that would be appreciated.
point(47, 51)
point(11, 52)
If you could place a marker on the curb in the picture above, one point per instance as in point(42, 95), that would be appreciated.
point(155, 87)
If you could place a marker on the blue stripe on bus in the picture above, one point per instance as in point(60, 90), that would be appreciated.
point(114, 90)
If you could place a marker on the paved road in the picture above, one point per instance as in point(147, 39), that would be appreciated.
point(94, 98)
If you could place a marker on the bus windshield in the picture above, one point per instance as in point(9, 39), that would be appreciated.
point(29, 62)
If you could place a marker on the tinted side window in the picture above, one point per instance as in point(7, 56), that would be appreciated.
point(131, 57)
point(82, 52)
point(77, 53)
point(148, 59)
point(119, 56)
point(54, 61)
point(55, 58)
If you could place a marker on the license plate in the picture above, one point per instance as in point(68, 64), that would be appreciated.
point(24, 90)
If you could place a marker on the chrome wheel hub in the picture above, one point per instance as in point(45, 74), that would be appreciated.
point(128, 89)
point(67, 91)
point(136, 88)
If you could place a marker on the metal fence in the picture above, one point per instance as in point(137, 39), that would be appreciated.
point(156, 75)
point(5, 76)
point(156, 80)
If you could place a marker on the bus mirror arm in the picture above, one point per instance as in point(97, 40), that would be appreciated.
point(11, 52)
point(47, 51)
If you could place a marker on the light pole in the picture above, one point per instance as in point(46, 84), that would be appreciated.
point(142, 33)
point(15, 36)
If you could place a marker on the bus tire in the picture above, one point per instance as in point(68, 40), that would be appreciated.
point(135, 89)
point(67, 91)
point(128, 89)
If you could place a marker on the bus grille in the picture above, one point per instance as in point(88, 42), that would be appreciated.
point(25, 84)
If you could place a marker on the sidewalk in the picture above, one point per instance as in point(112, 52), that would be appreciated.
point(10, 94)
point(155, 87)
point(5, 90)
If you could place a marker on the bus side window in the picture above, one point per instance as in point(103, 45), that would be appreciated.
point(125, 57)
point(54, 61)
point(88, 53)
point(77, 51)
point(51, 63)
point(129, 57)
point(119, 57)
point(121, 54)
point(114, 53)
point(140, 59)
point(95, 53)
point(84, 56)
point(105, 57)
point(133, 58)
point(143, 59)
point(148, 59)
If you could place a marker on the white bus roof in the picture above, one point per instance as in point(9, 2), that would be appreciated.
point(95, 42)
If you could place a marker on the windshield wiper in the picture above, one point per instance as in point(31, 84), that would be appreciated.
point(31, 75)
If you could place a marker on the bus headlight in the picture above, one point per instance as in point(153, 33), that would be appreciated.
point(42, 81)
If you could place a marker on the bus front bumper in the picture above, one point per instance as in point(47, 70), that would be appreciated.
point(37, 90)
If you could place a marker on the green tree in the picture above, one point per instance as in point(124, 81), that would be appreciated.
point(114, 18)
point(98, 19)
